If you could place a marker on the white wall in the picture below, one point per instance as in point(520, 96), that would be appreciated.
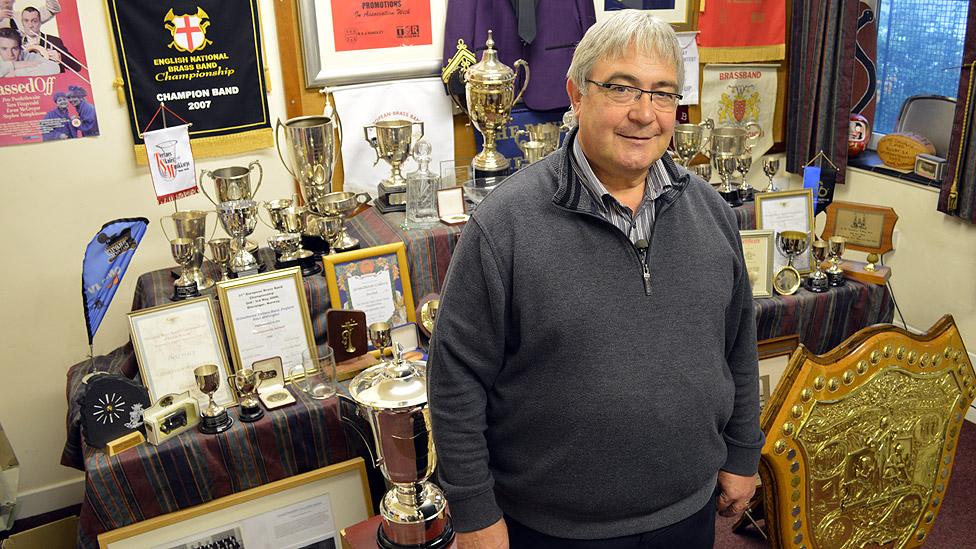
point(56, 196)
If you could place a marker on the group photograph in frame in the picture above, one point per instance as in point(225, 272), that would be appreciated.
point(757, 249)
point(304, 511)
point(787, 211)
point(374, 44)
point(171, 340)
point(373, 280)
point(266, 315)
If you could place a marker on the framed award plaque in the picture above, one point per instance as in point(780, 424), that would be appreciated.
point(866, 227)
point(373, 280)
point(757, 249)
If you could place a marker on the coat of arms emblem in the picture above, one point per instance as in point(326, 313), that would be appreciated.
point(189, 31)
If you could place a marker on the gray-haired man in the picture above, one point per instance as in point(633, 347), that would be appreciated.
point(593, 377)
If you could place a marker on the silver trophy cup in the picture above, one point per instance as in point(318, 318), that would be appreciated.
point(391, 140)
point(232, 183)
point(191, 224)
point(312, 154)
point(690, 139)
point(239, 217)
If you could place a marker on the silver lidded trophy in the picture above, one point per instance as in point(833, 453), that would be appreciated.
point(239, 217)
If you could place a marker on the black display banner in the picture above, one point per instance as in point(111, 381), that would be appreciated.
point(203, 60)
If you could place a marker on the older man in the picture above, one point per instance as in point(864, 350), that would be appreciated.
point(593, 374)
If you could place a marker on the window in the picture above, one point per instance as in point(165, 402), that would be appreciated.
point(919, 53)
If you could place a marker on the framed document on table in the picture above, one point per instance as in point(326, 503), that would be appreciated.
point(757, 249)
point(306, 510)
point(266, 315)
point(373, 280)
point(787, 211)
point(171, 340)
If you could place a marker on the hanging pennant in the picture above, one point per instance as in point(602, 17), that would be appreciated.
point(201, 58)
point(106, 259)
point(171, 163)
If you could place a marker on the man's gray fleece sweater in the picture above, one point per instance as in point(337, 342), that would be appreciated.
point(568, 393)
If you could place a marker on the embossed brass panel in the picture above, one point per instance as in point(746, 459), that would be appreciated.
point(865, 462)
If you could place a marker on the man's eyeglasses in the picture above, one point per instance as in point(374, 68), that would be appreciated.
point(628, 95)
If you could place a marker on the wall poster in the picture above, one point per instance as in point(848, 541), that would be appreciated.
point(45, 93)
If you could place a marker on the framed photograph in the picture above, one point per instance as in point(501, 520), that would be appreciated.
point(171, 340)
point(299, 512)
point(757, 249)
point(682, 14)
point(787, 211)
point(866, 227)
point(774, 357)
point(354, 42)
point(266, 315)
point(373, 280)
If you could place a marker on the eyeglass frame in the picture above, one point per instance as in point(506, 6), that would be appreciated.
point(674, 97)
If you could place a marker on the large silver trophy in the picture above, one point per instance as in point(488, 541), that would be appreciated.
point(312, 155)
point(239, 217)
point(728, 144)
point(391, 140)
point(489, 87)
point(392, 398)
point(232, 183)
point(191, 224)
point(690, 139)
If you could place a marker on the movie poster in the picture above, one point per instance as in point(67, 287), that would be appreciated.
point(375, 24)
point(45, 92)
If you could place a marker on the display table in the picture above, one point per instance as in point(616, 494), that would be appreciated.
point(192, 469)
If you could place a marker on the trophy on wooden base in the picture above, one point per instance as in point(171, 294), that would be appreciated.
point(214, 418)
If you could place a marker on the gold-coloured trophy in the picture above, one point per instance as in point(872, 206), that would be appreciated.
point(490, 93)
point(215, 418)
point(246, 382)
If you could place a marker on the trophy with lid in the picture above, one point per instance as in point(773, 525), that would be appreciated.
point(392, 397)
point(489, 87)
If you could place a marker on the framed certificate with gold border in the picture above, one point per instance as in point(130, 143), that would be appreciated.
point(373, 280)
point(787, 211)
point(171, 340)
point(266, 315)
point(757, 249)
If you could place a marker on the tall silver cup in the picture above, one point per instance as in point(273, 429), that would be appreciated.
point(239, 217)
point(690, 139)
point(312, 155)
point(232, 183)
point(191, 224)
point(391, 141)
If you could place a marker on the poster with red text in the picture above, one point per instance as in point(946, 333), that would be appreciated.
point(45, 89)
point(374, 24)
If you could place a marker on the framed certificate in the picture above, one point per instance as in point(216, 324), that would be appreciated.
point(266, 315)
point(373, 280)
point(171, 340)
point(787, 211)
point(757, 249)
point(866, 227)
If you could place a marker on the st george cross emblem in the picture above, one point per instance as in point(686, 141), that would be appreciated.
point(189, 31)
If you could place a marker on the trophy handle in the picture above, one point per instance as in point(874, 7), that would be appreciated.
point(163, 225)
point(261, 218)
point(209, 174)
point(372, 142)
point(525, 83)
point(345, 403)
point(250, 168)
point(278, 126)
point(521, 144)
point(754, 133)
point(709, 125)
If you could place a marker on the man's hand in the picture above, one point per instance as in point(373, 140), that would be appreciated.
point(735, 491)
point(492, 537)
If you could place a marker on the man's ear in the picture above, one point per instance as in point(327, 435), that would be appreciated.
point(574, 94)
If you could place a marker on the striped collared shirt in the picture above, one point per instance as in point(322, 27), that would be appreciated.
point(636, 226)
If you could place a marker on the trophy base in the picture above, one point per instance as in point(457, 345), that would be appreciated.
point(393, 187)
point(490, 162)
point(818, 285)
point(445, 539)
point(309, 264)
point(731, 197)
point(203, 282)
point(316, 244)
point(346, 243)
point(747, 194)
point(211, 425)
point(836, 279)
point(500, 173)
point(249, 414)
point(185, 292)
point(383, 205)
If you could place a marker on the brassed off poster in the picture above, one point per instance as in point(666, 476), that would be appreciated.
point(45, 93)
point(734, 95)
point(203, 60)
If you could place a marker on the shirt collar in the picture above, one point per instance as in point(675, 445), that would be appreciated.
point(656, 183)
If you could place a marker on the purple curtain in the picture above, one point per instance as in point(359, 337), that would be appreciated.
point(822, 44)
point(958, 195)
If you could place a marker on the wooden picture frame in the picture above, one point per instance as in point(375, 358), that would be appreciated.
point(355, 282)
point(341, 489)
point(272, 310)
point(774, 357)
point(866, 227)
point(787, 211)
point(328, 65)
point(757, 250)
point(683, 16)
point(171, 340)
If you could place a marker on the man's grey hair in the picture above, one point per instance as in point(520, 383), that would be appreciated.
point(611, 38)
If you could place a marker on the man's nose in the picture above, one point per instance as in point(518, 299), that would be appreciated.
point(643, 110)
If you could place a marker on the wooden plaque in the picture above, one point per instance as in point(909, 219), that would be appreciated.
point(867, 228)
point(347, 333)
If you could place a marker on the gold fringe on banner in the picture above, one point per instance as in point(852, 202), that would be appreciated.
point(776, 52)
point(221, 145)
point(952, 202)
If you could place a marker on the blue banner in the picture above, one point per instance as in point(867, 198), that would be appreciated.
point(106, 259)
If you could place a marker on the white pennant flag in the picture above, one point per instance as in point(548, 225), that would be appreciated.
point(733, 95)
point(171, 163)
